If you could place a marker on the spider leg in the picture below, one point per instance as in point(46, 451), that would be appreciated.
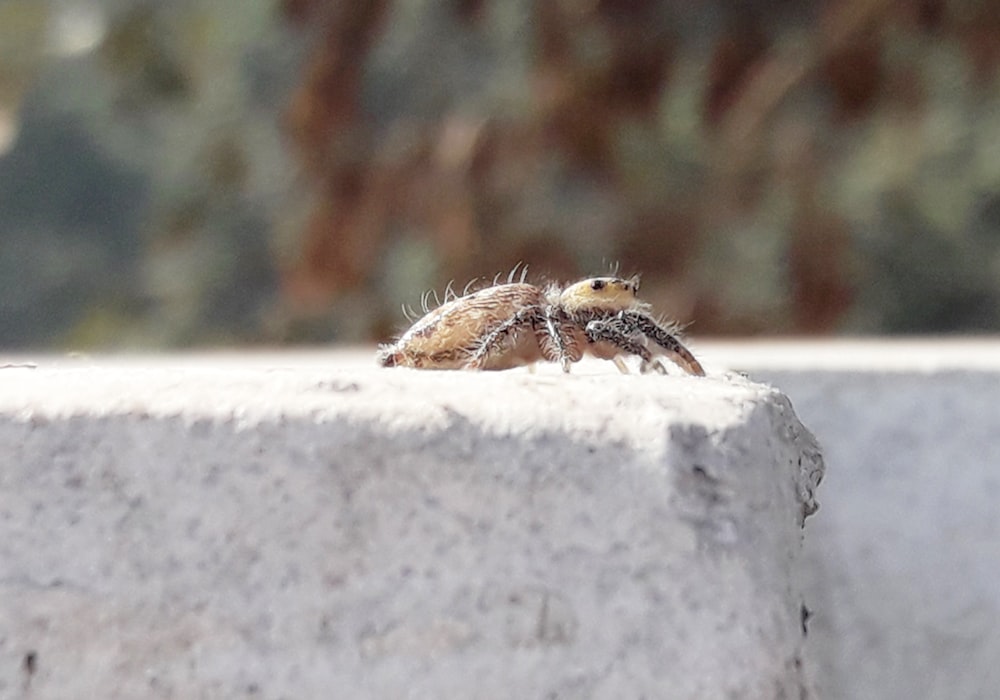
point(492, 340)
point(617, 333)
point(653, 366)
point(556, 345)
point(620, 364)
point(665, 339)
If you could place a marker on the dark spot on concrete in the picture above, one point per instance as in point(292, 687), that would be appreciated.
point(707, 486)
point(30, 663)
point(341, 386)
point(804, 614)
point(700, 471)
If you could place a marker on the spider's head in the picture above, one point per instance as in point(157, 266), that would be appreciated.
point(603, 293)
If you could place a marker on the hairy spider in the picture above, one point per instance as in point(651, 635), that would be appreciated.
point(513, 324)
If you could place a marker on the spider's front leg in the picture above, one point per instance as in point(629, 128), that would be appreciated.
point(615, 332)
point(664, 338)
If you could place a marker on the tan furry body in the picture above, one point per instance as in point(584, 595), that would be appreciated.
point(515, 324)
point(448, 336)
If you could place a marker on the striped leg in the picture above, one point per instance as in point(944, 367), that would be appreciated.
point(666, 340)
point(492, 341)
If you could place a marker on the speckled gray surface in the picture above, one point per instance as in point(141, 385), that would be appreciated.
point(901, 564)
point(221, 529)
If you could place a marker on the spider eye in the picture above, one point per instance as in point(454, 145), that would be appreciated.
point(597, 284)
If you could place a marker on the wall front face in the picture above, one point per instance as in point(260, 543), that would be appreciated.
point(902, 561)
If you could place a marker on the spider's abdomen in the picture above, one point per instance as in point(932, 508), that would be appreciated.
point(448, 336)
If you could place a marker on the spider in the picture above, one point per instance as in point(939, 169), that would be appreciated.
point(514, 324)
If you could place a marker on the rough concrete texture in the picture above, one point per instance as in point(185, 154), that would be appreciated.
point(902, 563)
point(214, 529)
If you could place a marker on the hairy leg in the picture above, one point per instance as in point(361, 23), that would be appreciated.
point(616, 333)
point(664, 338)
point(556, 341)
point(620, 364)
point(653, 365)
point(492, 341)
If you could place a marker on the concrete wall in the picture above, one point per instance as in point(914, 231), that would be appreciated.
point(900, 567)
point(903, 560)
point(217, 528)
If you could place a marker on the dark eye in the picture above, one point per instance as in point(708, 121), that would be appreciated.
point(597, 284)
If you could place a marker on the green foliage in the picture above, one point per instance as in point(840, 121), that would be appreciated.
point(242, 171)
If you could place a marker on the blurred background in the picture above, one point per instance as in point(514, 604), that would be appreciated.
point(199, 173)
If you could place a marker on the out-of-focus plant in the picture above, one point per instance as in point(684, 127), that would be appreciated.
point(771, 168)
point(285, 171)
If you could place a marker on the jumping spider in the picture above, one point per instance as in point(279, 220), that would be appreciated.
point(514, 324)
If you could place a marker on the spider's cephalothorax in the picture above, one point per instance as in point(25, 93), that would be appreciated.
point(508, 325)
